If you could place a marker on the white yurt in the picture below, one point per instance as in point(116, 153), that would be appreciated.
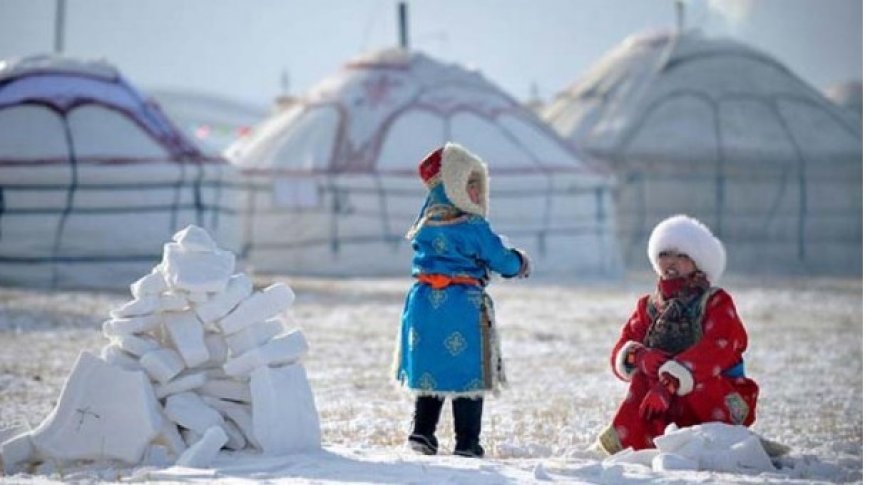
point(210, 120)
point(334, 185)
point(94, 178)
point(723, 132)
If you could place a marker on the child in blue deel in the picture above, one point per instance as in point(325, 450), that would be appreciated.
point(447, 344)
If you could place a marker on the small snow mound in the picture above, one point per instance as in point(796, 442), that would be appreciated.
point(710, 446)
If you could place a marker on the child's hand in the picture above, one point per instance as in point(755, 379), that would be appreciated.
point(649, 360)
point(525, 264)
point(658, 399)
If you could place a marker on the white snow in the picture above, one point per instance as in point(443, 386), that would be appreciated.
point(201, 453)
point(151, 284)
point(238, 288)
point(227, 389)
point(283, 349)
point(709, 446)
point(182, 383)
point(197, 271)
point(186, 332)
point(254, 336)
point(285, 416)
point(97, 402)
point(162, 364)
point(121, 326)
point(190, 411)
point(259, 306)
point(556, 341)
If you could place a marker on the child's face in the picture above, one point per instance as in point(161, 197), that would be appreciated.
point(473, 189)
point(674, 264)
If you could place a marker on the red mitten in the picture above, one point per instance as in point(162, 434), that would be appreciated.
point(658, 399)
point(648, 360)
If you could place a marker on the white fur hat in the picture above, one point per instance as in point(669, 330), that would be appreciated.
point(688, 235)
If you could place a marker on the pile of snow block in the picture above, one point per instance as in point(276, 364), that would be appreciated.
point(197, 361)
point(710, 446)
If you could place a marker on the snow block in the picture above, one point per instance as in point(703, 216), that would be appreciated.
point(629, 455)
point(96, 402)
point(136, 345)
point(130, 325)
point(190, 436)
point(145, 305)
point(254, 336)
point(188, 410)
point(284, 414)
point(197, 297)
point(195, 271)
point(16, 452)
point(201, 454)
point(673, 439)
point(157, 456)
point(240, 414)
point(170, 437)
point(183, 383)
point(162, 364)
point(670, 461)
point(236, 440)
point(188, 336)
point(45, 468)
point(750, 454)
point(238, 288)
point(258, 307)
point(226, 389)
point(217, 348)
point(172, 302)
point(150, 284)
point(284, 349)
point(195, 239)
point(113, 355)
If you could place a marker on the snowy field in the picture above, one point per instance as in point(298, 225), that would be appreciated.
point(805, 352)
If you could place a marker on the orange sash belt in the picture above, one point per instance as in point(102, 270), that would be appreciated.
point(441, 281)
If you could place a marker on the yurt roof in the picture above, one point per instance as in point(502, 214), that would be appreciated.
point(63, 83)
point(688, 97)
point(383, 111)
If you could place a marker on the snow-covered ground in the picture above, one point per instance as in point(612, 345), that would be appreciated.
point(805, 352)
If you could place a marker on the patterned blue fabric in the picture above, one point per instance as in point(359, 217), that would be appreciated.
point(445, 344)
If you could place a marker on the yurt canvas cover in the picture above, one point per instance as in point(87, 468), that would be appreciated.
point(718, 130)
point(334, 177)
point(94, 179)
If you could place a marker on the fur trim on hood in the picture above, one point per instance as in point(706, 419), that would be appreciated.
point(688, 235)
point(457, 166)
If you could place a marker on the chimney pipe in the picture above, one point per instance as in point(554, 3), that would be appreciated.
point(403, 25)
point(680, 14)
point(59, 27)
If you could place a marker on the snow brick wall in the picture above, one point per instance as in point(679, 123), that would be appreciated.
point(197, 361)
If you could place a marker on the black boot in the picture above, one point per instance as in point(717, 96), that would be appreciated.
point(467, 414)
point(427, 411)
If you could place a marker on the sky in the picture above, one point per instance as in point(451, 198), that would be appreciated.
point(242, 49)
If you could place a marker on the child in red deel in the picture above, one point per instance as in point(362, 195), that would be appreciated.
point(682, 349)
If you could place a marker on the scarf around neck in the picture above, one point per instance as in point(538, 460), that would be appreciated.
point(675, 310)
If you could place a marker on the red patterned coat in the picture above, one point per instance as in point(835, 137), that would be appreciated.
point(709, 372)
